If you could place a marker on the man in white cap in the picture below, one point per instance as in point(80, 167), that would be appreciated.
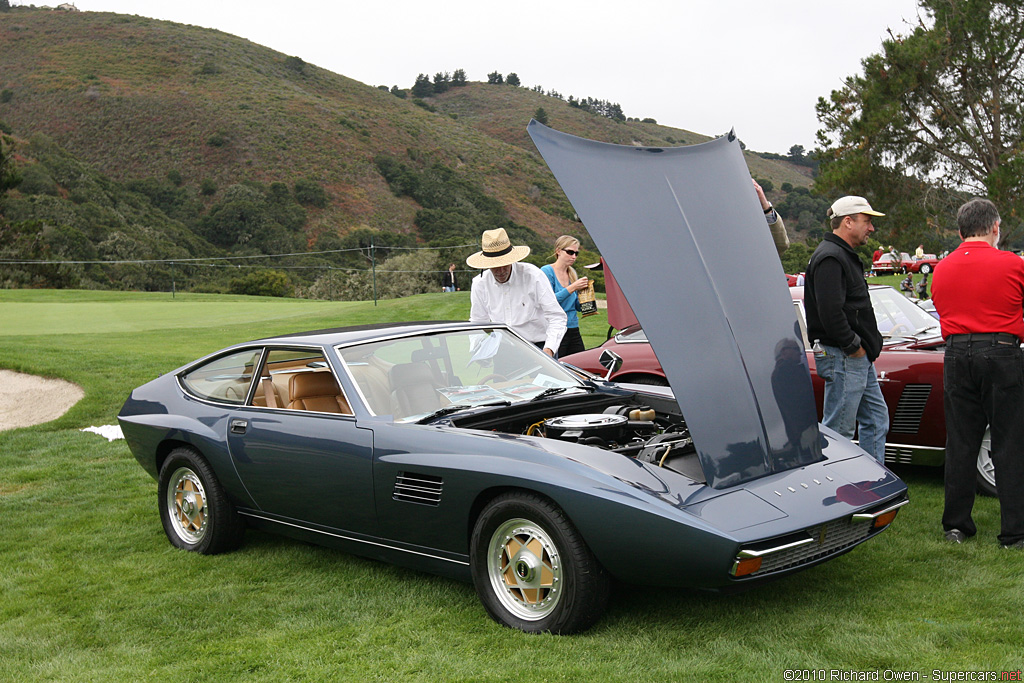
point(516, 294)
point(841, 322)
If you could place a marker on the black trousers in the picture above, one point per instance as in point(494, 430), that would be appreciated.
point(572, 342)
point(983, 385)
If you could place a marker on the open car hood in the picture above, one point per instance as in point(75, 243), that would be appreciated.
point(683, 231)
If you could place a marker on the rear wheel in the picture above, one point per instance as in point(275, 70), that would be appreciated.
point(194, 509)
point(532, 570)
point(926, 268)
point(986, 470)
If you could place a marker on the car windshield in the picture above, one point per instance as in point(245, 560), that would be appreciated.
point(414, 377)
point(631, 334)
point(898, 316)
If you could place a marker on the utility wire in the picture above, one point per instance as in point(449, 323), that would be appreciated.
point(197, 259)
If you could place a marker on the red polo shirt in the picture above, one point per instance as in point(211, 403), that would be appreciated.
point(979, 288)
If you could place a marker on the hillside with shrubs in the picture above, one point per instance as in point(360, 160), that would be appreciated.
point(148, 155)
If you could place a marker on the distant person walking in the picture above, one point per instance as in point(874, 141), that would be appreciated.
point(907, 285)
point(448, 283)
point(922, 288)
point(842, 324)
point(565, 285)
point(978, 292)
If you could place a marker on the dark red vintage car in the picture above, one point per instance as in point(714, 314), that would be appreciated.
point(909, 371)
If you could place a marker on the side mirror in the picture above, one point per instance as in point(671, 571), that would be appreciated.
point(610, 361)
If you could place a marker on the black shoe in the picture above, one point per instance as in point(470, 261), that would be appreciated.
point(955, 536)
point(1019, 545)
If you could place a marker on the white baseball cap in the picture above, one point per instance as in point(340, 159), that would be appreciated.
point(850, 205)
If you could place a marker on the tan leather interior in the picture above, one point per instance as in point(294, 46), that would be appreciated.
point(373, 383)
point(316, 391)
point(260, 399)
point(415, 388)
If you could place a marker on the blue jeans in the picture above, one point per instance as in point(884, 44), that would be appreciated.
point(853, 399)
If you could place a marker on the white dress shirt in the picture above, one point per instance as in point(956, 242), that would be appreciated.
point(526, 303)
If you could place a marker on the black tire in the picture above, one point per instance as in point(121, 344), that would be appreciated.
point(986, 470)
point(194, 509)
point(926, 268)
point(532, 569)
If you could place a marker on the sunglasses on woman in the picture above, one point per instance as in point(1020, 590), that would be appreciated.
point(570, 252)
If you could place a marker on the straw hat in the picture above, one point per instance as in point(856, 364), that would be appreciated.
point(497, 251)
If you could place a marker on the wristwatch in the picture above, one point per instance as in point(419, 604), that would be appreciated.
point(769, 209)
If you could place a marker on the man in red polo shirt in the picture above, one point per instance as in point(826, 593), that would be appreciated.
point(978, 292)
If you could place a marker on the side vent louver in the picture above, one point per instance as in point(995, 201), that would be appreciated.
point(424, 489)
point(907, 418)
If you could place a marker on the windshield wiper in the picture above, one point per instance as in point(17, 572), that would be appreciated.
point(456, 407)
point(550, 391)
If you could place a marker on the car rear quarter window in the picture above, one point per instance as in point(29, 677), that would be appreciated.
point(225, 379)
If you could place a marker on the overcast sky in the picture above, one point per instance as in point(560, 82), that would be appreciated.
point(757, 66)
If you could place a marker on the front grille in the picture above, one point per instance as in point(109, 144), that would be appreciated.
point(907, 418)
point(839, 535)
point(424, 489)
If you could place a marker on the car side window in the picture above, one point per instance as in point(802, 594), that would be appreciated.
point(299, 379)
point(225, 379)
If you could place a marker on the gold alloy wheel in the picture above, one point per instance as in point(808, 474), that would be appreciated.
point(524, 569)
point(186, 505)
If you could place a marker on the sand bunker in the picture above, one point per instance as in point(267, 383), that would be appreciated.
point(27, 400)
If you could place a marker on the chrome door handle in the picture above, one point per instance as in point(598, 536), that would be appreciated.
point(239, 426)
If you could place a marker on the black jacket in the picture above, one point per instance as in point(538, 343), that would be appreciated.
point(836, 299)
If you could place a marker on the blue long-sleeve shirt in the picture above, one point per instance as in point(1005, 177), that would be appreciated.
point(569, 301)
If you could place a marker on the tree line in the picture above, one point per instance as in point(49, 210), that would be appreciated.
point(935, 117)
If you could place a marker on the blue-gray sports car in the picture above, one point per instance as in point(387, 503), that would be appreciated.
point(463, 450)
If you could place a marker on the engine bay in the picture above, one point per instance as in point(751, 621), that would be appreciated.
point(647, 428)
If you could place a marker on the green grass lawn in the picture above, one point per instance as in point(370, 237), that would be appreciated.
point(90, 589)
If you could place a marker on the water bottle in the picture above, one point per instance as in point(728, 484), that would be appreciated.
point(818, 349)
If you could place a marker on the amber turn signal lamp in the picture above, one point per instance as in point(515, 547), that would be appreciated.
point(886, 519)
point(747, 565)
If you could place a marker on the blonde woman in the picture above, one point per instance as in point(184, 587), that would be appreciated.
point(566, 285)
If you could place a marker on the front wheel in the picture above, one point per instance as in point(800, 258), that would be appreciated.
point(532, 569)
point(194, 509)
point(986, 470)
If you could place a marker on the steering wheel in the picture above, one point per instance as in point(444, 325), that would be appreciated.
point(899, 330)
point(494, 377)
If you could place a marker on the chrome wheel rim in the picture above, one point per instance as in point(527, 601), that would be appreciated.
point(524, 569)
point(985, 467)
point(186, 505)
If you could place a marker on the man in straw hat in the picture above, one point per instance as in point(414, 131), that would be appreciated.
point(842, 324)
point(516, 294)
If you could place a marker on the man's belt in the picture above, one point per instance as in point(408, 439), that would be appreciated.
point(984, 337)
